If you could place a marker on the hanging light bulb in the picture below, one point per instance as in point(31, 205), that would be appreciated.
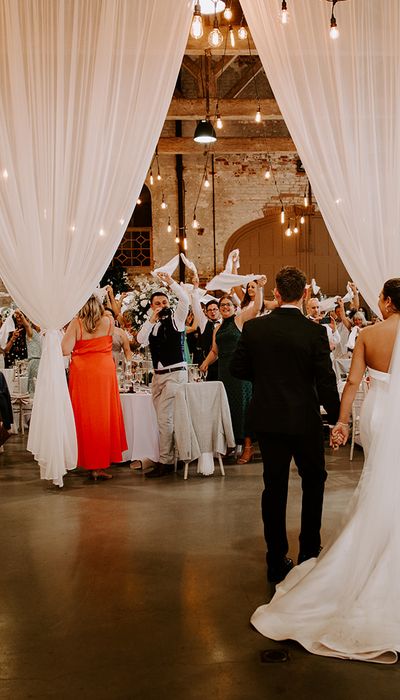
point(231, 36)
point(195, 223)
point(258, 115)
point(306, 200)
point(282, 215)
point(206, 181)
point(215, 37)
point(296, 228)
point(164, 204)
point(138, 201)
point(242, 33)
point(302, 219)
point(288, 232)
point(159, 175)
point(196, 29)
point(176, 238)
point(151, 178)
point(228, 14)
point(334, 31)
point(284, 13)
point(219, 122)
point(267, 173)
point(185, 243)
point(169, 227)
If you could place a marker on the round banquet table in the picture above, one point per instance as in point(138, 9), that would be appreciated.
point(141, 427)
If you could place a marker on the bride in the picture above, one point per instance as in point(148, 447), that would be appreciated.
point(346, 602)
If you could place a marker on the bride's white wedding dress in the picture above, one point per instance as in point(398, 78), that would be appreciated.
point(346, 603)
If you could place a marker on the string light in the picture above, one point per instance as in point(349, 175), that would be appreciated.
point(231, 36)
point(176, 238)
point(306, 200)
point(334, 31)
point(267, 173)
point(195, 223)
point(302, 219)
point(284, 13)
point(258, 115)
point(196, 29)
point(282, 215)
point(169, 227)
point(164, 204)
point(151, 178)
point(138, 201)
point(296, 228)
point(159, 174)
point(185, 243)
point(288, 232)
point(206, 181)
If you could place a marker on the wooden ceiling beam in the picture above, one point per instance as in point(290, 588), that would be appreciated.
point(231, 110)
point(247, 77)
point(186, 146)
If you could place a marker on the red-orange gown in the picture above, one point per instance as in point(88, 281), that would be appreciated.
point(96, 404)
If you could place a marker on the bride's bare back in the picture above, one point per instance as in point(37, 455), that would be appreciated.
point(378, 342)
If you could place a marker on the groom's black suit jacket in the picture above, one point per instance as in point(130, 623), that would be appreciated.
point(287, 358)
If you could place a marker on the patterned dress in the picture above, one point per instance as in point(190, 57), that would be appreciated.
point(238, 391)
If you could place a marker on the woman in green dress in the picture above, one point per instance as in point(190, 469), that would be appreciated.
point(225, 340)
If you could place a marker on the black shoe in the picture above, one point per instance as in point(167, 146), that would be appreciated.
point(160, 470)
point(278, 572)
point(303, 556)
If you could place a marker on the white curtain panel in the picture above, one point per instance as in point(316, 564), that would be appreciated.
point(84, 90)
point(341, 102)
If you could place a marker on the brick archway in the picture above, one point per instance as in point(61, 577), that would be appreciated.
point(264, 249)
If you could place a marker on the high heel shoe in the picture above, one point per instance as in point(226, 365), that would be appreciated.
point(100, 476)
point(246, 456)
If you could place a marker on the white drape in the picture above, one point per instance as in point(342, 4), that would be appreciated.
point(84, 90)
point(341, 102)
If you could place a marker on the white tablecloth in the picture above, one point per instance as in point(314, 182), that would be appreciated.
point(141, 427)
point(19, 387)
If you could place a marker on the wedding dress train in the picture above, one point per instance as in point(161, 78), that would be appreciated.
point(346, 603)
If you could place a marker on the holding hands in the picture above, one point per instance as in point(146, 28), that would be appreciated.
point(339, 435)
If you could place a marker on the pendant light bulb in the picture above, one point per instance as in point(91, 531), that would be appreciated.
point(159, 178)
point(288, 232)
point(196, 29)
point(164, 204)
point(138, 201)
point(195, 223)
point(176, 239)
point(296, 229)
point(282, 215)
point(228, 14)
point(242, 33)
point(302, 219)
point(219, 122)
point(169, 227)
point(305, 200)
point(206, 182)
point(258, 115)
point(185, 244)
point(231, 36)
point(334, 31)
point(267, 173)
point(215, 37)
point(284, 13)
point(151, 178)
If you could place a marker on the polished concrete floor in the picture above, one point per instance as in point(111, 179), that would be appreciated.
point(143, 589)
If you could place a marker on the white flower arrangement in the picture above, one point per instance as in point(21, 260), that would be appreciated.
point(137, 301)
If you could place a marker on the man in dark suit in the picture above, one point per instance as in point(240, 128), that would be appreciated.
point(286, 356)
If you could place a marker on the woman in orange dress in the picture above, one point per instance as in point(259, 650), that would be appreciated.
point(94, 391)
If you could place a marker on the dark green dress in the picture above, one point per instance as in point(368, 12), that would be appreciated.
point(238, 391)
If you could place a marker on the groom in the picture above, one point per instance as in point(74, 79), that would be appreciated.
point(286, 356)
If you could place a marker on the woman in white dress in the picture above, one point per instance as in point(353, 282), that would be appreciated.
point(346, 602)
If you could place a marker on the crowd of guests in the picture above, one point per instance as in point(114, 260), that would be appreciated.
point(205, 334)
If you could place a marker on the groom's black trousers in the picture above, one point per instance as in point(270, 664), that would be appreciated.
point(277, 451)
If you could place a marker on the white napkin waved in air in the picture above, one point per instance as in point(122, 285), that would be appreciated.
point(189, 264)
point(314, 286)
point(7, 328)
point(169, 267)
point(226, 280)
point(229, 262)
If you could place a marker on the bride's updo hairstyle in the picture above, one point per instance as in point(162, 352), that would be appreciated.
point(391, 289)
point(91, 313)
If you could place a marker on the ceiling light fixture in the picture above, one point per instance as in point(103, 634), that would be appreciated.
point(211, 7)
point(284, 13)
point(196, 29)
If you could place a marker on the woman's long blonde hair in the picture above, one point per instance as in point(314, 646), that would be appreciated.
point(91, 313)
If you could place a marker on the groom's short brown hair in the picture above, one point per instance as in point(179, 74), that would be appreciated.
point(290, 283)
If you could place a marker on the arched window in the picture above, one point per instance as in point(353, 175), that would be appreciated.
point(136, 248)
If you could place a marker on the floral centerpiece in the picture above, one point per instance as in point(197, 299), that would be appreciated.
point(137, 301)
